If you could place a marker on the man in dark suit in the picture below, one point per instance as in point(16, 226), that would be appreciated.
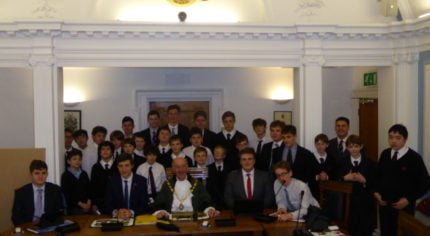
point(201, 122)
point(151, 132)
point(248, 183)
point(126, 194)
point(269, 151)
point(173, 117)
point(227, 137)
point(217, 177)
point(37, 198)
point(297, 156)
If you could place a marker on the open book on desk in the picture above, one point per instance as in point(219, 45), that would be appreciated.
point(38, 230)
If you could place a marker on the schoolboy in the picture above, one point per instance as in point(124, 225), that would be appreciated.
point(217, 178)
point(153, 171)
point(81, 138)
point(176, 146)
point(150, 133)
point(90, 156)
point(117, 139)
point(164, 146)
point(400, 180)
point(227, 136)
point(359, 170)
point(75, 184)
point(259, 126)
point(129, 146)
point(201, 122)
point(101, 173)
point(268, 153)
point(196, 140)
point(139, 140)
point(127, 126)
point(31, 201)
point(173, 118)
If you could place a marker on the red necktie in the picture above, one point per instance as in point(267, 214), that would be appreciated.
point(249, 187)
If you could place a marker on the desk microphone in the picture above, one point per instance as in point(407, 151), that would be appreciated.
point(297, 231)
point(280, 187)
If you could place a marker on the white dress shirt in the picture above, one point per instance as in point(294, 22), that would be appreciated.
point(139, 152)
point(343, 144)
point(358, 160)
point(157, 171)
point(232, 133)
point(166, 148)
point(400, 153)
point(89, 157)
point(293, 190)
point(189, 151)
point(254, 142)
point(276, 144)
point(318, 157)
point(35, 188)
point(109, 163)
point(180, 155)
point(175, 127)
point(245, 180)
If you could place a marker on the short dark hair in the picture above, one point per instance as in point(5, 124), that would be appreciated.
point(289, 129)
point(163, 128)
point(277, 123)
point(353, 139)
point(124, 157)
point(248, 150)
point(228, 114)
point(200, 149)
point(240, 138)
point(259, 122)
point(116, 134)
point(38, 165)
point(151, 150)
point(74, 152)
point(105, 144)
point(321, 137)
point(127, 119)
point(138, 135)
point(342, 118)
point(153, 112)
point(174, 107)
point(129, 141)
point(200, 113)
point(68, 130)
point(399, 128)
point(221, 147)
point(80, 132)
point(195, 130)
point(282, 165)
point(99, 129)
point(175, 138)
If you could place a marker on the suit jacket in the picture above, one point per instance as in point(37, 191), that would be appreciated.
point(301, 161)
point(23, 204)
point(209, 139)
point(235, 188)
point(216, 183)
point(232, 153)
point(200, 199)
point(165, 159)
point(315, 167)
point(267, 158)
point(184, 133)
point(138, 195)
point(334, 151)
point(147, 136)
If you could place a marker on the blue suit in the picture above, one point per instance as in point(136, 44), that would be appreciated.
point(138, 199)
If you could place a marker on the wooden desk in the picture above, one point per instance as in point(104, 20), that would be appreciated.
point(244, 226)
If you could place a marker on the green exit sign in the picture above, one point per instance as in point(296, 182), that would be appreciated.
point(370, 79)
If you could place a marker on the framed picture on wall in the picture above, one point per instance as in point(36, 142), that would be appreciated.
point(72, 119)
point(285, 116)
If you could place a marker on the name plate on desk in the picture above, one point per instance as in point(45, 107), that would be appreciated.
point(188, 216)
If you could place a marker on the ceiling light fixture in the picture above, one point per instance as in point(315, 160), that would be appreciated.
point(424, 15)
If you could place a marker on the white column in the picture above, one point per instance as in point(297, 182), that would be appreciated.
point(406, 94)
point(310, 97)
point(47, 106)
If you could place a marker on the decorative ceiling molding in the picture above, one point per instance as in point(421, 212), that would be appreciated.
point(309, 7)
point(44, 10)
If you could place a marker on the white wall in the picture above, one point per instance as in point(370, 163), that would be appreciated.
point(16, 106)
point(386, 86)
point(109, 92)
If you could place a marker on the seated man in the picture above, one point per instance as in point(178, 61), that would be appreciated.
point(33, 200)
point(248, 183)
point(183, 193)
point(126, 194)
point(288, 193)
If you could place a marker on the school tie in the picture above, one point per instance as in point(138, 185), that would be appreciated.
point(276, 145)
point(290, 207)
point(340, 146)
point(290, 157)
point(219, 170)
point(173, 131)
point(228, 137)
point(163, 151)
point(126, 200)
point(259, 147)
point(106, 166)
point(154, 138)
point(152, 182)
point(395, 156)
point(322, 161)
point(38, 207)
point(116, 154)
point(249, 187)
point(355, 168)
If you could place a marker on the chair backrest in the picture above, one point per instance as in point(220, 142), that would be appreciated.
point(197, 173)
point(408, 224)
point(343, 188)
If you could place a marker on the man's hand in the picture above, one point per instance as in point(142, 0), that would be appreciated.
point(123, 214)
point(323, 176)
point(402, 203)
point(162, 214)
point(285, 217)
point(213, 213)
point(379, 199)
point(349, 176)
point(360, 178)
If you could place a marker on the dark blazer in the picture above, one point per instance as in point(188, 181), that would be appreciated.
point(315, 167)
point(165, 159)
point(235, 188)
point(300, 165)
point(138, 195)
point(334, 151)
point(216, 183)
point(137, 160)
point(100, 177)
point(209, 139)
point(267, 157)
point(200, 200)
point(75, 190)
point(23, 204)
point(232, 157)
point(184, 133)
point(147, 136)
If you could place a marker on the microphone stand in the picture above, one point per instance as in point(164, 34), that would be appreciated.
point(301, 231)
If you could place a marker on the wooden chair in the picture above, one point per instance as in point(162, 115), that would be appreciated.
point(338, 187)
point(409, 224)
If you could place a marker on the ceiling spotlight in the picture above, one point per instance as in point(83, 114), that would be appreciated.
point(182, 16)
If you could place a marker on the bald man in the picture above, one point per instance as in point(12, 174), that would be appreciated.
point(183, 193)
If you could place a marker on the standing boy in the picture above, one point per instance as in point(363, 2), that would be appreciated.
point(218, 172)
point(117, 139)
point(270, 150)
point(127, 126)
point(201, 122)
point(129, 146)
point(151, 132)
point(259, 126)
point(227, 136)
point(173, 118)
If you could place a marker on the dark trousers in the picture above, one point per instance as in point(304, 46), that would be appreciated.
point(388, 218)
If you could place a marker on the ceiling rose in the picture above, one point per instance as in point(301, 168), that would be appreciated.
point(182, 3)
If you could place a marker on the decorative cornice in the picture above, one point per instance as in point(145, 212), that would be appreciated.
point(41, 60)
point(313, 60)
point(408, 57)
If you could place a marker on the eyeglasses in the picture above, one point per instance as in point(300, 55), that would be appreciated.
point(247, 159)
point(281, 174)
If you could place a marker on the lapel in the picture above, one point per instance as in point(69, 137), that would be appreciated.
point(242, 184)
point(31, 193)
point(46, 197)
point(256, 183)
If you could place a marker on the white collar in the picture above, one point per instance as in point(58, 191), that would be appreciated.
point(232, 133)
point(401, 152)
point(128, 179)
point(35, 188)
point(181, 155)
point(103, 163)
point(355, 159)
point(245, 174)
